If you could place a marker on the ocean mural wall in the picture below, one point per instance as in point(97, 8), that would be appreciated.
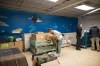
point(16, 21)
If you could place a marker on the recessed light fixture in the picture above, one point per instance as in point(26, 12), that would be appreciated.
point(53, 0)
point(84, 7)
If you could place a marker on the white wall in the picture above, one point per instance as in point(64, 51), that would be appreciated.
point(89, 21)
point(71, 37)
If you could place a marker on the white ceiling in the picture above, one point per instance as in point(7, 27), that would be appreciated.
point(62, 7)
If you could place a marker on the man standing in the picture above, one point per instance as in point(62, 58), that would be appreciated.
point(79, 36)
point(94, 34)
point(57, 36)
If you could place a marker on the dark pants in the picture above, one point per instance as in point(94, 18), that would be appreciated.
point(78, 44)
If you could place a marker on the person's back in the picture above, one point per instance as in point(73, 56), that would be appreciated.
point(57, 34)
point(94, 31)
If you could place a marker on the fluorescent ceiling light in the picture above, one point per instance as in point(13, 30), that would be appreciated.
point(84, 7)
point(53, 0)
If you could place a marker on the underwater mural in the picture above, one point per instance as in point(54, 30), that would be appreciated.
point(18, 30)
point(3, 24)
point(28, 22)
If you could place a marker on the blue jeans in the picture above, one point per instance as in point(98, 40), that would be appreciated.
point(58, 49)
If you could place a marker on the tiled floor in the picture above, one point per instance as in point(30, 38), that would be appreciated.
point(71, 57)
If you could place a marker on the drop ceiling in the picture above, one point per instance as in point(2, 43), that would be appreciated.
point(61, 8)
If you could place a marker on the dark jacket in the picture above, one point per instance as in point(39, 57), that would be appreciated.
point(79, 32)
point(94, 31)
point(99, 33)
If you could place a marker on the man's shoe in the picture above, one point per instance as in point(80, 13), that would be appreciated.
point(78, 49)
point(93, 49)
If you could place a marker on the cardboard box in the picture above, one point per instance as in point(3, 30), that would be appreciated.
point(38, 37)
point(39, 33)
point(19, 44)
point(11, 44)
point(48, 36)
point(4, 45)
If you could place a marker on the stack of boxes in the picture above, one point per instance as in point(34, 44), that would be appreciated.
point(41, 42)
point(18, 44)
point(39, 36)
